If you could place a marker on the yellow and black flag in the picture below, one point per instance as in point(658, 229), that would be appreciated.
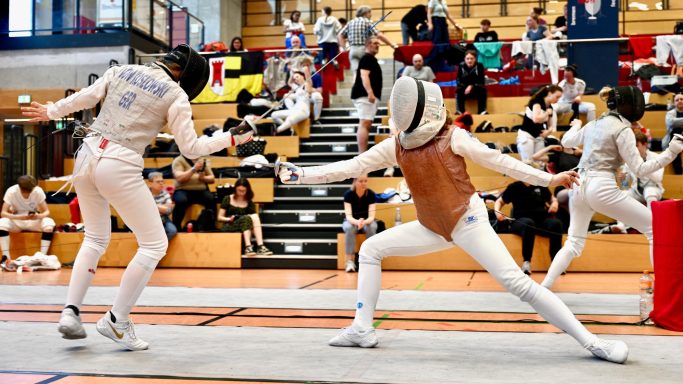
point(231, 73)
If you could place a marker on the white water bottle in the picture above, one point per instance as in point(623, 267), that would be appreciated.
point(397, 218)
point(646, 290)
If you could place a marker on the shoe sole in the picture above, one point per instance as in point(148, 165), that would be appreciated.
point(69, 335)
point(352, 344)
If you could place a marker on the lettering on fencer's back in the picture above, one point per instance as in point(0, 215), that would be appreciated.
point(136, 105)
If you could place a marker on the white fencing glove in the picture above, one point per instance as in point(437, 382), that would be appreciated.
point(676, 144)
point(242, 133)
point(290, 173)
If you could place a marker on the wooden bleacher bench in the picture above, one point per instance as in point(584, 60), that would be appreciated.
point(603, 253)
point(214, 111)
point(186, 250)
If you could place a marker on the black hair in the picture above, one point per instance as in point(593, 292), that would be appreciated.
point(294, 12)
point(545, 90)
point(242, 182)
point(232, 42)
point(327, 10)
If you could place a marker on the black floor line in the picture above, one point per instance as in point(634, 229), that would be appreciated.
point(207, 322)
point(319, 281)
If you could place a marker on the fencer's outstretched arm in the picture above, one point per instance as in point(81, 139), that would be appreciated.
point(574, 136)
point(380, 156)
point(626, 142)
point(466, 145)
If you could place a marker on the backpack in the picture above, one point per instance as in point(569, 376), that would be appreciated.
point(206, 222)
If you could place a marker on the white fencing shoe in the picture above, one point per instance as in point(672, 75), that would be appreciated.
point(70, 325)
point(615, 351)
point(122, 332)
point(350, 337)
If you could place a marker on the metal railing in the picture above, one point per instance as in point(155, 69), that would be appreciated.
point(156, 19)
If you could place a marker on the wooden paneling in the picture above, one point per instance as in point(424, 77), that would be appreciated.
point(9, 107)
point(214, 111)
point(603, 253)
point(186, 250)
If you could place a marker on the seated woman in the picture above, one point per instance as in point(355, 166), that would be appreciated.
point(238, 212)
point(471, 83)
point(359, 211)
point(300, 109)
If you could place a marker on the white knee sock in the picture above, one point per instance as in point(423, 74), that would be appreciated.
point(548, 305)
point(134, 280)
point(45, 246)
point(560, 263)
point(82, 274)
point(369, 284)
point(4, 244)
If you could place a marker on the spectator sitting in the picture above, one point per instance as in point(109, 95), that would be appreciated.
point(559, 30)
point(357, 31)
point(540, 120)
point(300, 108)
point(238, 213)
point(674, 124)
point(532, 209)
point(538, 11)
point(306, 66)
point(572, 91)
point(534, 30)
point(163, 201)
point(192, 181)
point(416, 16)
point(297, 51)
point(359, 211)
point(471, 83)
point(326, 29)
point(236, 45)
point(293, 27)
point(418, 70)
point(486, 35)
point(24, 209)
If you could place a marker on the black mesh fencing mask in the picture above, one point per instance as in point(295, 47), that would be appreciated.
point(628, 101)
point(195, 72)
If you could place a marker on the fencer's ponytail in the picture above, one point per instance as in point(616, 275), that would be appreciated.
point(605, 93)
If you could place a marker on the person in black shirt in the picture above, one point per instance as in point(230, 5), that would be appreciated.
point(416, 16)
point(359, 212)
point(531, 217)
point(559, 30)
point(486, 35)
point(539, 121)
point(471, 83)
point(366, 91)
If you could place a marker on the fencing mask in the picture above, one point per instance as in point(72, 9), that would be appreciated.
point(417, 111)
point(628, 101)
point(195, 69)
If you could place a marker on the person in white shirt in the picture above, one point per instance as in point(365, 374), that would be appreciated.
point(450, 213)
point(137, 102)
point(572, 91)
point(297, 102)
point(293, 27)
point(326, 29)
point(608, 143)
point(418, 70)
point(25, 209)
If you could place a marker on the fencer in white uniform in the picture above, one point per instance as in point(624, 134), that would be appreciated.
point(297, 103)
point(138, 101)
point(431, 155)
point(608, 143)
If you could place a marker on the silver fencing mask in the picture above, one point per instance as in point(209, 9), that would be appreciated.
point(417, 111)
point(628, 101)
point(195, 69)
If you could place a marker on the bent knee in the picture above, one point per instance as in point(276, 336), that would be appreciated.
point(371, 253)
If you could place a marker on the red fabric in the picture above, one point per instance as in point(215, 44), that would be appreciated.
point(667, 225)
point(641, 46)
point(405, 53)
point(75, 211)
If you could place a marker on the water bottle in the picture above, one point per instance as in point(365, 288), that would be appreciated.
point(646, 289)
point(397, 218)
point(189, 227)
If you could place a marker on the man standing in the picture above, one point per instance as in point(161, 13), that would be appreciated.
point(418, 70)
point(357, 31)
point(366, 91)
point(192, 179)
point(163, 201)
point(25, 209)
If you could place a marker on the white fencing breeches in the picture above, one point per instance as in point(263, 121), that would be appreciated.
point(527, 145)
point(585, 108)
point(598, 193)
point(119, 183)
point(474, 235)
point(287, 118)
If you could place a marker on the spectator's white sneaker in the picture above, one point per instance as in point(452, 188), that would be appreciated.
point(122, 332)
point(350, 337)
point(615, 351)
point(70, 325)
point(526, 268)
point(350, 266)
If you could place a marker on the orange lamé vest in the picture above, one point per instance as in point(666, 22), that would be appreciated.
point(438, 181)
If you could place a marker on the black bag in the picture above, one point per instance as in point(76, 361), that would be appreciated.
point(206, 222)
point(381, 226)
point(678, 28)
point(646, 72)
point(254, 147)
